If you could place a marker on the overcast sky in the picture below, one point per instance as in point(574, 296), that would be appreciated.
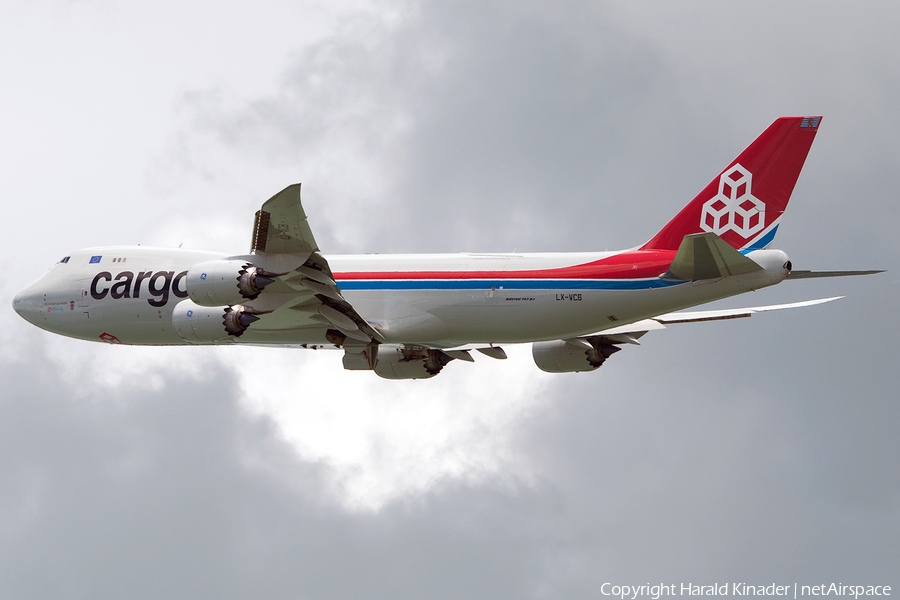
point(761, 450)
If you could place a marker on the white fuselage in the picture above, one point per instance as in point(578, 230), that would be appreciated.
point(441, 300)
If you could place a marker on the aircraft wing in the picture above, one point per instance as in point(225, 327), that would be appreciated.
point(303, 293)
point(608, 341)
point(629, 334)
point(733, 313)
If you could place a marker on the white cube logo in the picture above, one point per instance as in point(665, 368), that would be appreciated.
point(734, 208)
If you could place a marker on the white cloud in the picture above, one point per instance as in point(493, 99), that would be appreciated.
point(389, 441)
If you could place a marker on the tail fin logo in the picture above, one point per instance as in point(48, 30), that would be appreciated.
point(734, 208)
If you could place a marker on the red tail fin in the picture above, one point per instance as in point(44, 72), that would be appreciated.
point(744, 203)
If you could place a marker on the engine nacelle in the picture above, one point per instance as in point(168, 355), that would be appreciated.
point(225, 282)
point(560, 356)
point(204, 324)
point(397, 362)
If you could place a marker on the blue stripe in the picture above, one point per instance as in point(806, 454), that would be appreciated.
point(505, 284)
point(762, 242)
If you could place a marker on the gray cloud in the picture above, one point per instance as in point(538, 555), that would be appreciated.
point(755, 450)
point(176, 491)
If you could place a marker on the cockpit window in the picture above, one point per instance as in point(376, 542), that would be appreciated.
point(66, 259)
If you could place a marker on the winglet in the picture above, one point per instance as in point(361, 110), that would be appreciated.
point(282, 239)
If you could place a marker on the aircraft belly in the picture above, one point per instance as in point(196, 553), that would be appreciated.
point(498, 316)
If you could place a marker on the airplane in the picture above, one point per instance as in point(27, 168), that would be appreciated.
point(407, 316)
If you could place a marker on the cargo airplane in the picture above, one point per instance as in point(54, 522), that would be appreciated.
point(406, 316)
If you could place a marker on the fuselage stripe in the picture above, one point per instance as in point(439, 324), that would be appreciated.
point(504, 284)
point(627, 265)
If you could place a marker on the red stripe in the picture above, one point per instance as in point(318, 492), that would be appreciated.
point(627, 265)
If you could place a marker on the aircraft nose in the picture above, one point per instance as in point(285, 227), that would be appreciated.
point(27, 304)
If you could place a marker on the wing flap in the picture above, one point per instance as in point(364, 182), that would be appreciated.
point(625, 334)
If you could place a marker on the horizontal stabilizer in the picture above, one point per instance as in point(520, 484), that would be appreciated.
point(817, 274)
point(707, 256)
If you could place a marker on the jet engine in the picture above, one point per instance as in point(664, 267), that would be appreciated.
point(560, 356)
point(225, 282)
point(203, 324)
point(398, 362)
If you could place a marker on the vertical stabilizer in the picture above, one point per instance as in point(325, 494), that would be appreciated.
point(744, 203)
